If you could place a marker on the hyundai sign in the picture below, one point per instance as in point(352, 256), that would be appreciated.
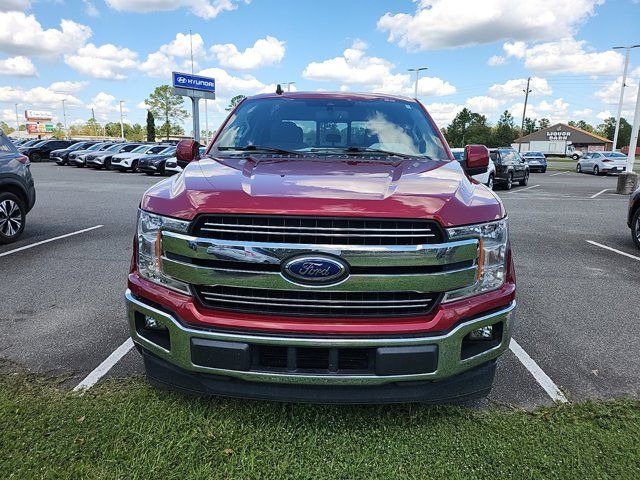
point(194, 82)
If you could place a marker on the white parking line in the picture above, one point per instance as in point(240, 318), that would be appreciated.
point(559, 173)
point(542, 378)
point(16, 250)
point(527, 188)
point(102, 369)
point(600, 193)
point(613, 250)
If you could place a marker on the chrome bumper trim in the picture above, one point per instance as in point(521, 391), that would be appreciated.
point(449, 345)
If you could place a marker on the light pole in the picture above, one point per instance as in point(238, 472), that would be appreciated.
point(417, 70)
point(524, 112)
point(289, 85)
point(206, 122)
point(121, 122)
point(17, 122)
point(64, 118)
point(631, 155)
point(624, 79)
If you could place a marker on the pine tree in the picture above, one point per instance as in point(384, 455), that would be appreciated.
point(151, 127)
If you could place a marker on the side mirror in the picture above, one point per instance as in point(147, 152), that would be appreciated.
point(187, 151)
point(476, 159)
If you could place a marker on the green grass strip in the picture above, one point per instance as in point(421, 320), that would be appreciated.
point(128, 430)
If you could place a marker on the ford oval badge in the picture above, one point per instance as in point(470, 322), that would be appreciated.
point(319, 270)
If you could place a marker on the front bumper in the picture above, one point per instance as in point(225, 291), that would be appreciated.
point(230, 360)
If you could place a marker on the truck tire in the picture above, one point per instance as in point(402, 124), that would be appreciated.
point(12, 217)
point(635, 228)
point(525, 180)
point(509, 184)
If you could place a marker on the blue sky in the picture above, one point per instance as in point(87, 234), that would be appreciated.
point(95, 53)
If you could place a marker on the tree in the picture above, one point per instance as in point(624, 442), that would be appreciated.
point(468, 127)
point(58, 131)
point(582, 125)
point(234, 102)
point(167, 129)
point(608, 128)
point(6, 128)
point(505, 131)
point(543, 123)
point(164, 103)
point(529, 126)
point(151, 127)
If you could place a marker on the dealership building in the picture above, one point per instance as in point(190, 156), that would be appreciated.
point(559, 138)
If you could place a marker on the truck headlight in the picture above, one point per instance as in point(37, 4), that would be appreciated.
point(149, 238)
point(492, 258)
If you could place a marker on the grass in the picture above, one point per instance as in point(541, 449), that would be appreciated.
point(126, 429)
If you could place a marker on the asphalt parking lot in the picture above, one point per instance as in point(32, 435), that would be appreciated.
point(63, 312)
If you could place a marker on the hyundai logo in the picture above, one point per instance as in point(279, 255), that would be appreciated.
point(318, 270)
point(181, 80)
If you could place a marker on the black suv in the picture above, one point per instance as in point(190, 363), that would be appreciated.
point(61, 156)
point(42, 150)
point(17, 193)
point(510, 167)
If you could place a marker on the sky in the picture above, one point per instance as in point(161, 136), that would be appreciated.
point(479, 53)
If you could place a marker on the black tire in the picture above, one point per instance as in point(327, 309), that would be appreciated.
point(12, 217)
point(134, 167)
point(151, 174)
point(35, 157)
point(596, 170)
point(544, 170)
point(161, 171)
point(575, 157)
point(107, 164)
point(635, 228)
point(525, 180)
point(489, 183)
point(579, 168)
point(509, 184)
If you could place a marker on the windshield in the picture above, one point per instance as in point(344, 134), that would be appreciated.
point(332, 124)
point(140, 149)
point(169, 151)
point(533, 154)
point(113, 148)
point(78, 146)
point(616, 155)
point(457, 155)
point(157, 149)
point(97, 146)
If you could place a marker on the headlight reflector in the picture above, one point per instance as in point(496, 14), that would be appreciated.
point(150, 227)
point(492, 260)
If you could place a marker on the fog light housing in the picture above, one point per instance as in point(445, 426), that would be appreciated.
point(153, 324)
point(483, 333)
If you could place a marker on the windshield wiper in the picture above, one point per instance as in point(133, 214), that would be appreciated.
point(256, 148)
point(356, 150)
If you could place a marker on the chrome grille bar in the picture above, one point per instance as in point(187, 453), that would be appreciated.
point(317, 234)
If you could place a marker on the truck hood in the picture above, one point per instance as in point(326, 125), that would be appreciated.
point(328, 186)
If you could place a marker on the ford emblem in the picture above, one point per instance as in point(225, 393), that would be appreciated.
point(317, 270)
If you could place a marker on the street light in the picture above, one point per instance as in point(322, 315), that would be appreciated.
point(17, 122)
point(64, 118)
point(288, 84)
point(121, 122)
point(417, 70)
point(624, 79)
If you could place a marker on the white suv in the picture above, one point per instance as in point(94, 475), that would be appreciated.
point(484, 178)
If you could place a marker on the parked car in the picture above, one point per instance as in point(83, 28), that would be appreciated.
point(486, 178)
point(510, 167)
point(602, 163)
point(171, 166)
point(77, 158)
point(633, 218)
point(536, 160)
point(131, 160)
point(61, 157)
point(40, 151)
point(103, 158)
point(152, 164)
point(17, 191)
point(28, 143)
point(384, 197)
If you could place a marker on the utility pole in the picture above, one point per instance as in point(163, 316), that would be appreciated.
point(624, 79)
point(64, 118)
point(206, 122)
point(17, 121)
point(631, 155)
point(289, 86)
point(121, 122)
point(417, 70)
point(524, 112)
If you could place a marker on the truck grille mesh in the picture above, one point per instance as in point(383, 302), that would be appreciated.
point(316, 303)
point(318, 230)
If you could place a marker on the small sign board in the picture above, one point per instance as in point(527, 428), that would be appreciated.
point(187, 92)
point(194, 82)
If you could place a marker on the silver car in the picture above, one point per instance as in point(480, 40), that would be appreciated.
point(601, 163)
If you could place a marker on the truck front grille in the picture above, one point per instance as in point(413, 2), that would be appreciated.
point(316, 303)
point(318, 230)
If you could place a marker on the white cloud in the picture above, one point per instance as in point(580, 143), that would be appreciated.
point(609, 94)
point(515, 88)
point(106, 61)
point(90, 9)
point(22, 34)
point(583, 114)
point(202, 8)
point(455, 23)
point(354, 68)
point(158, 65)
point(18, 67)
point(17, 5)
point(228, 85)
point(68, 86)
point(37, 97)
point(484, 105)
point(515, 49)
point(556, 110)
point(181, 46)
point(265, 52)
point(104, 106)
point(443, 113)
point(569, 55)
point(162, 62)
point(604, 115)
point(496, 60)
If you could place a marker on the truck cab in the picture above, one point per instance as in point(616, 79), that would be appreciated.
point(326, 247)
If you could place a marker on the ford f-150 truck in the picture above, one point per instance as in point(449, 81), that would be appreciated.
point(326, 247)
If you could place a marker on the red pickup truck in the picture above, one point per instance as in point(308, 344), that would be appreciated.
point(325, 248)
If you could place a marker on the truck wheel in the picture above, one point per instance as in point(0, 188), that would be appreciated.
point(635, 228)
point(525, 180)
point(490, 182)
point(596, 170)
point(509, 183)
point(12, 217)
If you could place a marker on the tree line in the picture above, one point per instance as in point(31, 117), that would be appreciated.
point(469, 127)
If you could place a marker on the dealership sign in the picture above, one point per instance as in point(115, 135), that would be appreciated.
point(35, 127)
point(194, 82)
point(558, 134)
